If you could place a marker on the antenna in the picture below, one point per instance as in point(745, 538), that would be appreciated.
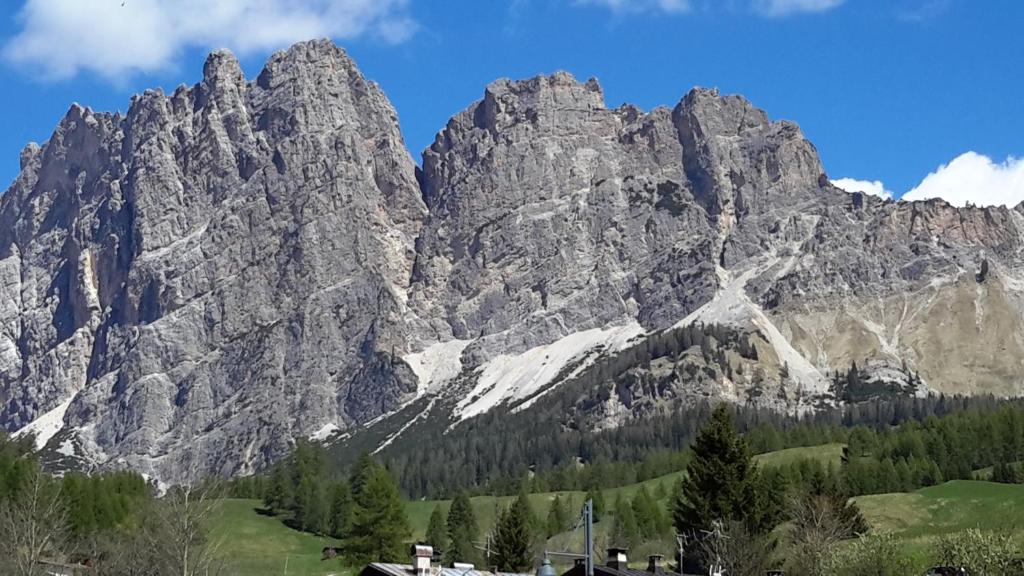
point(682, 540)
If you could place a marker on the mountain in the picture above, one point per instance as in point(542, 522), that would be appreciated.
point(190, 287)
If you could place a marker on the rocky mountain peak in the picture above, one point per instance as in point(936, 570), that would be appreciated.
point(506, 101)
point(222, 68)
point(190, 288)
point(28, 155)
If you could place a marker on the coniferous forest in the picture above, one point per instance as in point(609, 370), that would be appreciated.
point(114, 519)
point(497, 449)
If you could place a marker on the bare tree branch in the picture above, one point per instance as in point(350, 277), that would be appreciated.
point(34, 526)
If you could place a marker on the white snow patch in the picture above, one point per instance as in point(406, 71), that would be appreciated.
point(518, 377)
point(436, 364)
point(47, 425)
point(67, 447)
point(324, 432)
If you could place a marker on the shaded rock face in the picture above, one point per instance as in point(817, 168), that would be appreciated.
point(215, 273)
point(190, 287)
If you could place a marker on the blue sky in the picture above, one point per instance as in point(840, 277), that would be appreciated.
point(889, 91)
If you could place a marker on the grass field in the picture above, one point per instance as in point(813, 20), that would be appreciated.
point(260, 545)
point(254, 544)
point(919, 517)
point(826, 454)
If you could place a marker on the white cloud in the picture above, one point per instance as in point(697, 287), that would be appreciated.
point(675, 6)
point(974, 178)
point(787, 7)
point(115, 38)
point(769, 8)
point(873, 187)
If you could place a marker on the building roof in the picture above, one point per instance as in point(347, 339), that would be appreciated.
point(386, 569)
point(605, 570)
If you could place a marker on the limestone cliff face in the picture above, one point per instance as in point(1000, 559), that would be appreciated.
point(189, 288)
point(216, 273)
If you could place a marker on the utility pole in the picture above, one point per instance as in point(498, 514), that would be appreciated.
point(588, 534)
point(587, 519)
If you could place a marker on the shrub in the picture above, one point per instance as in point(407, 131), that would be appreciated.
point(982, 553)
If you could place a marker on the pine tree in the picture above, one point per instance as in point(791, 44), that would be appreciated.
point(437, 535)
point(625, 532)
point(596, 496)
point(1003, 473)
point(513, 538)
point(379, 526)
point(364, 469)
point(341, 510)
point(720, 482)
point(558, 517)
point(280, 496)
point(311, 508)
point(462, 532)
point(648, 517)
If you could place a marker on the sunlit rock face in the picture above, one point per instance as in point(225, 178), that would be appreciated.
point(189, 288)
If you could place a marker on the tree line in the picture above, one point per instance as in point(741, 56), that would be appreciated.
point(496, 449)
point(729, 510)
point(114, 522)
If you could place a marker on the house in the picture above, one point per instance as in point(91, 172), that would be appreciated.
point(618, 565)
point(422, 566)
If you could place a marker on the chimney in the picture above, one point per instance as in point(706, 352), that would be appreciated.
point(654, 563)
point(617, 558)
point(421, 556)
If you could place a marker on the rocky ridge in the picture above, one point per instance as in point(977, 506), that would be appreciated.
point(188, 288)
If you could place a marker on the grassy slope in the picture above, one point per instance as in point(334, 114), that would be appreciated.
point(258, 545)
point(919, 517)
point(255, 545)
point(826, 454)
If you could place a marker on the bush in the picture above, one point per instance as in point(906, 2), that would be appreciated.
point(870, 555)
point(982, 553)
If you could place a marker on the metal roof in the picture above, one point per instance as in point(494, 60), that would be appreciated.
point(407, 570)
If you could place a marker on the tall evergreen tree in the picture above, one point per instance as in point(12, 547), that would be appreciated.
point(379, 526)
point(364, 469)
point(513, 537)
point(341, 510)
point(437, 532)
point(720, 482)
point(649, 521)
point(558, 517)
point(311, 512)
point(463, 531)
point(280, 494)
point(625, 532)
point(596, 496)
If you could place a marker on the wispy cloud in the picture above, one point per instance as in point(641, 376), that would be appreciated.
point(117, 38)
point(767, 8)
point(674, 6)
point(873, 187)
point(976, 179)
point(777, 8)
point(922, 10)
